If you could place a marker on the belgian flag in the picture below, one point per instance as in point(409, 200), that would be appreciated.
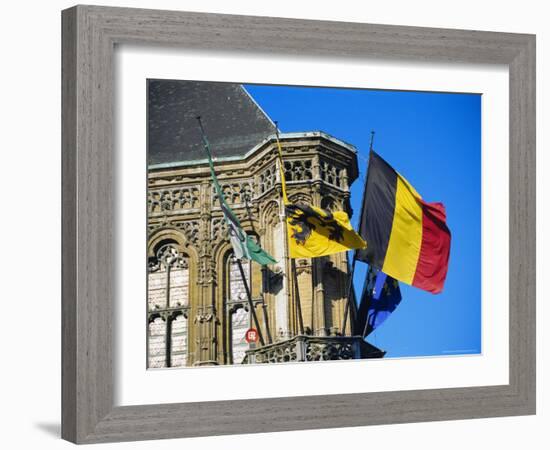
point(408, 238)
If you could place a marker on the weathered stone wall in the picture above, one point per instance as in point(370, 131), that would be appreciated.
point(207, 312)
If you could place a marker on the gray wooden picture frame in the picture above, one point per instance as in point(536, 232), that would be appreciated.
point(89, 34)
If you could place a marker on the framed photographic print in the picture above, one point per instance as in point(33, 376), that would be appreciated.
point(284, 217)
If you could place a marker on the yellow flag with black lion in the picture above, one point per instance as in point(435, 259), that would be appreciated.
point(314, 232)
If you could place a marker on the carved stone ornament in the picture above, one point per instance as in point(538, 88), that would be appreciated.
point(173, 199)
point(167, 256)
point(298, 170)
point(190, 228)
point(235, 193)
point(303, 265)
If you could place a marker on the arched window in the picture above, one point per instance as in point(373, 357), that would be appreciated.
point(237, 308)
point(167, 307)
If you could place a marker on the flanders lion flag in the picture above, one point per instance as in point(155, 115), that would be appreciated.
point(313, 231)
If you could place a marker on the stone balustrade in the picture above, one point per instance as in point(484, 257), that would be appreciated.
point(313, 348)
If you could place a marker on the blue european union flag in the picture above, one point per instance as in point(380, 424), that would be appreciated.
point(381, 295)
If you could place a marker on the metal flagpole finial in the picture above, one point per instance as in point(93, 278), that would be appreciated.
point(371, 140)
point(200, 121)
point(276, 122)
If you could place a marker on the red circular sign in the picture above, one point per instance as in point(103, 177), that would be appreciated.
point(251, 335)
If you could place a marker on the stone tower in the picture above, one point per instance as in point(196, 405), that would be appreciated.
point(197, 308)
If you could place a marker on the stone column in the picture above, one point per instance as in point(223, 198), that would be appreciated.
point(344, 176)
point(316, 167)
point(283, 300)
point(319, 319)
point(206, 321)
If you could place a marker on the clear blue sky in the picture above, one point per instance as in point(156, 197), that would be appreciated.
point(433, 140)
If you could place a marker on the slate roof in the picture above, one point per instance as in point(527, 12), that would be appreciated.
point(233, 122)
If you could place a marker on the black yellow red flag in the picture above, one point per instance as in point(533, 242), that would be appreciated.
point(408, 238)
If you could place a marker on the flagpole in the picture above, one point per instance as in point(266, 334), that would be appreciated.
point(371, 140)
point(250, 303)
point(348, 295)
point(366, 328)
point(266, 323)
point(220, 194)
point(366, 299)
point(297, 297)
point(350, 279)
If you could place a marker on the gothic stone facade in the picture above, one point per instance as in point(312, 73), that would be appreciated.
point(197, 307)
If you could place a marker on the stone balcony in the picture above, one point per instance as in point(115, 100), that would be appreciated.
point(313, 348)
